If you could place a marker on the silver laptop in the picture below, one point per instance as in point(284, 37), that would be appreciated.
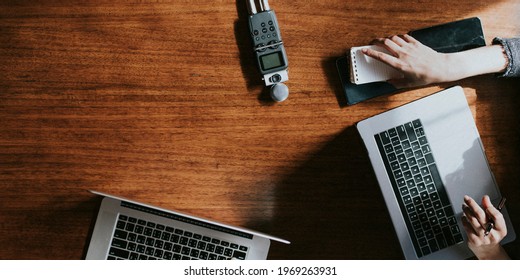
point(128, 229)
point(427, 155)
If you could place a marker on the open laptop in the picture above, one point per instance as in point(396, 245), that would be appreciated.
point(427, 155)
point(132, 230)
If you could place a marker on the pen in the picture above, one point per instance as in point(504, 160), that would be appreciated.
point(491, 223)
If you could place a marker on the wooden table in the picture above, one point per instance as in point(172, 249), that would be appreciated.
point(161, 102)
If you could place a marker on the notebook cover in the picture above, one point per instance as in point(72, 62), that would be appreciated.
point(450, 37)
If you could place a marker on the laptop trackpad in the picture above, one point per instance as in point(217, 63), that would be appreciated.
point(472, 177)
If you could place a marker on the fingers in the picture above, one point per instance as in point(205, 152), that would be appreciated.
point(474, 216)
point(476, 220)
point(393, 44)
point(386, 58)
point(475, 210)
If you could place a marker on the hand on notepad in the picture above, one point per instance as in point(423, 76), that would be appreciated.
point(418, 64)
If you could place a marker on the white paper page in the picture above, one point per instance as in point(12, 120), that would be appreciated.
point(365, 69)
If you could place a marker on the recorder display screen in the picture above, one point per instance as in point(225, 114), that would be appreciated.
point(270, 61)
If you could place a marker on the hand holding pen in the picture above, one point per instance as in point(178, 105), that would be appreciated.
point(477, 221)
point(491, 223)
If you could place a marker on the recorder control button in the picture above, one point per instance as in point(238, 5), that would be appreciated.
point(260, 48)
point(273, 43)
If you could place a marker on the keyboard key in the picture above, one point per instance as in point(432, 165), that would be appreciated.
point(185, 250)
point(406, 144)
point(385, 138)
point(194, 253)
point(159, 244)
point(219, 250)
point(150, 241)
point(203, 255)
point(201, 245)
point(401, 132)
point(433, 245)
point(148, 231)
point(118, 243)
point(228, 252)
point(116, 252)
point(168, 246)
point(158, 253)
point(130, 227)
point(139, 229)
point(132, 237)
point(120, 225)
point(441, 241)
point(168, 255)
point(192, 243)
point(175, 238)
point(448, 236)
point(123, 217)
point(120, 234)
point(166, 236)
point(141, 239)
point(131, 246)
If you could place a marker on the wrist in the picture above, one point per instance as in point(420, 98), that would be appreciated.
point(491, 253)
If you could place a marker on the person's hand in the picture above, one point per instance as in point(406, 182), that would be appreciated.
point(420, 64)
point(475, 221)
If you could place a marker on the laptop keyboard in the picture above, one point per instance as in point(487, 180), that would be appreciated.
point(416, 182)
point(137, 239)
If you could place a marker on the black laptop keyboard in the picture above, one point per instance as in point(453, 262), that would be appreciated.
point(137, 239)
point(422, 198)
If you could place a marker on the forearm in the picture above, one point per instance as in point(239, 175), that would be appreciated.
point(479, 61)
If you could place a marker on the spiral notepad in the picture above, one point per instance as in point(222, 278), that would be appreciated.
point(364, 69)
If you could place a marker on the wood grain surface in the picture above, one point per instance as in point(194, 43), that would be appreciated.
point(161, 102)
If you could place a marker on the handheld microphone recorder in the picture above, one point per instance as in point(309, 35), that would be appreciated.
point(269, 49)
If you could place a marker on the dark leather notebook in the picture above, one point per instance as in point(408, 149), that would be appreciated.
point(450, 37)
